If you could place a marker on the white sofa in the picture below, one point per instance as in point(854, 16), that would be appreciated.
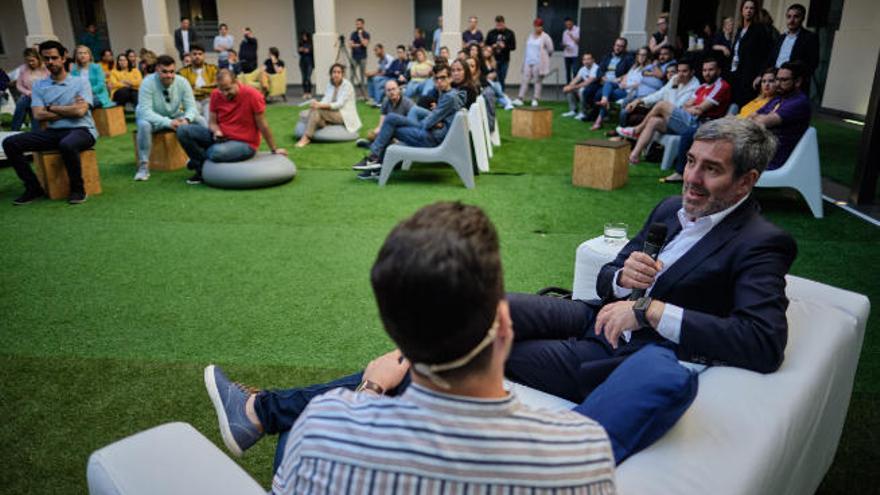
point(745, 433)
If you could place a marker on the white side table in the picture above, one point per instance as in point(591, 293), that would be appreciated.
point(591, 256)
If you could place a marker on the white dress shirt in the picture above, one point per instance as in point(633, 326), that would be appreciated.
point(691, 233)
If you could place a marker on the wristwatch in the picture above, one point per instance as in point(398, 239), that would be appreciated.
point(371, 386)
point(640, 309)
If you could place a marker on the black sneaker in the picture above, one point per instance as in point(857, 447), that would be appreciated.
point(77, 198)
point(195, 179)
point(28, 197)
point(368, 175)
point(362, 143)
point(368, 163)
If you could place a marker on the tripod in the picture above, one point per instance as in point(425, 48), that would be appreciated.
point(343, 56)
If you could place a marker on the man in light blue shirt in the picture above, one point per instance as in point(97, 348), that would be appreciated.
point(63, 103)
point(165, 101)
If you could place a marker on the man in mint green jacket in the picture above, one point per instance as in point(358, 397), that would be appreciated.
point(165, 101)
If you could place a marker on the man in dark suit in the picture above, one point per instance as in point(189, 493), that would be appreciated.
point(184, 37)
point(716, 293)
point(798, 44)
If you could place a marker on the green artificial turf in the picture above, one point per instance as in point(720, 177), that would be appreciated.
point(110, 310)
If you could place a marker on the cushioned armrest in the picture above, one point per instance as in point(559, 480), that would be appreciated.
point(173, 458)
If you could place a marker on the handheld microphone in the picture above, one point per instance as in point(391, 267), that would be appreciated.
point(652, 247)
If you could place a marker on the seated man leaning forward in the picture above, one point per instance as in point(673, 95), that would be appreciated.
point(439, 286)
point(237, 118)
point(63, 102)
point(394, 102)
point(165, 101)
point(337, 106)
point(426, 133)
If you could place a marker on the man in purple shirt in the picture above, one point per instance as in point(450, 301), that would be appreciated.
point(788, 114)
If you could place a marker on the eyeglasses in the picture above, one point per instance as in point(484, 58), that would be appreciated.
point(440, 78)
point(783, 79)
point(167, 96)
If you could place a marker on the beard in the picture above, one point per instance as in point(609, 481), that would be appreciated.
point(713, 203)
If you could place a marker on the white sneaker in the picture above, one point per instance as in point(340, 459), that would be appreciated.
point(508, 107)
point(534, 103)
point(570, 113)
point(143, 172)
point(580, 116)
point(517, 103)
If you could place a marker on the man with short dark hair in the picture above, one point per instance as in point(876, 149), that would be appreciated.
point(359, 41)
point(202, 76)
point(377, 77)
point(223, 44)
point(503, 41)
point(576, 89)
point(184, 37)
point(473, 35)
point(63, 102)
point(397, 70)
point(237, 119)
point(571, 38)
point(798, 44)
point(165, 101)
point(788, 114)
point(447, 424)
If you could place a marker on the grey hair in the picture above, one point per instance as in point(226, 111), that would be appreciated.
point(753, 145)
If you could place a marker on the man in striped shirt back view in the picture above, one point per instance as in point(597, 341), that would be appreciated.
point(433, 415)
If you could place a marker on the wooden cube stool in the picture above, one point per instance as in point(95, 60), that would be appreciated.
point(109, 121)
point(166, 153)
point(600, 164)
point(52, 174)
point(532, 122)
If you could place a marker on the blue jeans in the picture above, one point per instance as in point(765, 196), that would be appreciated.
point(405, 130)
point(588, 94)
point(22, 108)
point(680, 122)
point(145, 132)
point(610, 91)
point(414, 88)
point(501, 70)
point(571, 68)
point(499, 94)
point(199, 143)
point(417, 114)
point(376, 88)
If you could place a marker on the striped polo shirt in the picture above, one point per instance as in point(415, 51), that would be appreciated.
point(425, 442)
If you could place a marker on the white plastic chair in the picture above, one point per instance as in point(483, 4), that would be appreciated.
point(484, 119)
point(454, 150)
point(670, 144)
point(801, 171)
point(496, 135)
point(478, 137)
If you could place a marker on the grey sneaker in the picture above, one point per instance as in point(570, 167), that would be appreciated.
point(229, 399)
point(143, 172)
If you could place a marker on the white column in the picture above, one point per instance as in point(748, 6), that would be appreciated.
point(325, 41)
point(451, 35)
point(634, 20)
point(158, 38)
point(39, 21)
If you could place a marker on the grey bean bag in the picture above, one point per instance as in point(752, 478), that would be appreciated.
point(329, 134)
point(264, 169)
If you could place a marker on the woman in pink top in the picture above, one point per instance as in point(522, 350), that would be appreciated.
point(29, 72)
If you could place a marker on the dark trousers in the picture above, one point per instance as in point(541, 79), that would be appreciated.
point(125, 95)
point(69, 142)
point(306, 71)
point(570, 68)
point(590, 94)
point(501, 71)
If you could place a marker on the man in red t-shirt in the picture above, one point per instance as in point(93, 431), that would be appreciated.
point(237, 120)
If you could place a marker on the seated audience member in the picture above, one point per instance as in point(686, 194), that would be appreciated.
point(271, 66)
point(133, 60)
point(462, 79)
point(426, 133)
point(490, 69)
point(481, 83)
point(336, 107)
point(419, 40)
point(186, 59)
point(85, 67)
point(376, 78)
point(237, 119)
point(439, 286)
point(587, 77)
point(124, 82)
point(654, 75)
point(612, 69)
point(678, 91)
point(106, 62)
point(796, 45)
point(232, 61)
point(202, 76)
point(788, 114)
point(710, 101)
point(768, 91)
point(165, 101)
point(394, 103)
point(419, 72)
point(61, 101)
point(444, 53)
point(147, 63)
point(626, 87)
point(31, 71)
point(398, 68)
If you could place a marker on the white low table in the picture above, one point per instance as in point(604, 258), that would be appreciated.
point(4, 135)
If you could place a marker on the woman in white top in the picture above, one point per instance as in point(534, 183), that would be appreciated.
point(336, 107)
point(539, 48)
point(625, 88)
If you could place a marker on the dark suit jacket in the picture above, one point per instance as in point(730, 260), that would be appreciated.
point(626, 61)
point(806, 50)
point(178, 40)
point(731, 285)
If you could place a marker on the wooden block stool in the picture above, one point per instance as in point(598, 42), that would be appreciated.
point(52, 174)
point(532, 122)
point(166, 153)
point(600, 164)
point(109, 121)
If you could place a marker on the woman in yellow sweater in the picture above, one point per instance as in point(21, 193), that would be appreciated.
point(768, 91)
point(124, 82)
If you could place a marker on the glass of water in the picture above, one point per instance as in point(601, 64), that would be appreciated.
point(615, 233)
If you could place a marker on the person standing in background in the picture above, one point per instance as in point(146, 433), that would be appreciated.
point(91, 39)
point(571, 37)
point(184, 37)
point(503, 41)
point(359, 41)
point(306, 63)
point(536, 65)
point(223, 42)
point(472, 35)
point(247, 51)
point(436, 43)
